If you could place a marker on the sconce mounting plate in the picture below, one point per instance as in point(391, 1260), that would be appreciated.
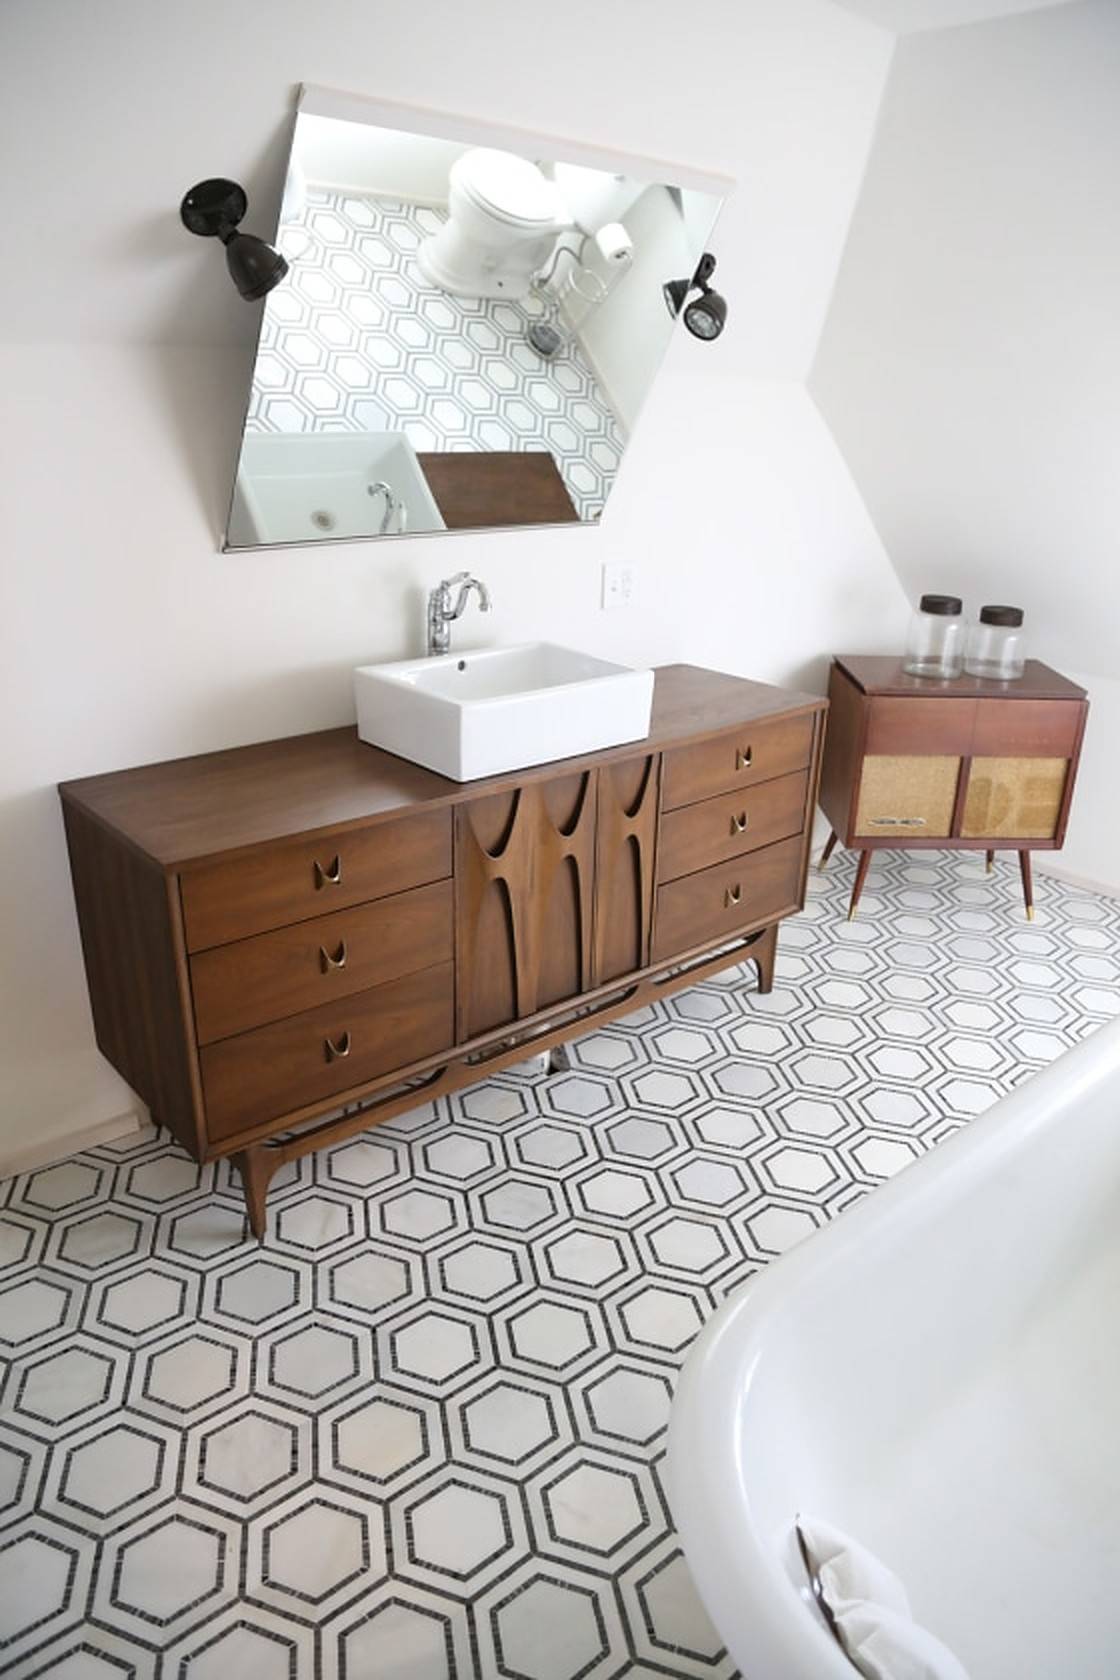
point(213, 208)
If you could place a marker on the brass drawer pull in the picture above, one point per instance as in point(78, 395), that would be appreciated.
point(327, 962)
point(898, 822)
point(732, 895)
point(739, 823)
point(332, 874)
point(743, 757)
point(336, 1052)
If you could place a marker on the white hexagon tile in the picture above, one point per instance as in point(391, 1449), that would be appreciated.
point(420, 1432)
point(360, 341)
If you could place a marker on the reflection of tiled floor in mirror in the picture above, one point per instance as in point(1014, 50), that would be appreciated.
point(420, 1432)
point(356, 340)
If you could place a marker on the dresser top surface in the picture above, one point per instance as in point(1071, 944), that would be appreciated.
point(883, 674)
point(193, 810)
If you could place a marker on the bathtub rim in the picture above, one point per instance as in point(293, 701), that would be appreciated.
point(738, 1571)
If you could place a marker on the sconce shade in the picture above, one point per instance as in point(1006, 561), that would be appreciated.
point(254, 266)
point(674, 293)
point(212, 209)
point(706, 316)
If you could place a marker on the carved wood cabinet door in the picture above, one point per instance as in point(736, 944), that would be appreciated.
point(626, 835)
point(524, 900)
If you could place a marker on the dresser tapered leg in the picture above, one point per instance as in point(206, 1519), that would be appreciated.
point(829, 848)
point(990, 860)
point(1028, 888)
point(255, 1166)
point(857, 885)
point(763, 954)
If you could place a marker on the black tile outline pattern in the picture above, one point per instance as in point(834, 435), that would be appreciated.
point(575, 1230)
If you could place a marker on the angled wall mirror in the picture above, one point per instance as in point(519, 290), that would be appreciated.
point(471, 321)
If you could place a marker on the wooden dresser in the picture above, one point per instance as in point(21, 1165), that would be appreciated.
point(310, 935)
point(967, 763)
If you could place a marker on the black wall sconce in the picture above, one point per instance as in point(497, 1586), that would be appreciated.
point(706, 315)
point(213, 209)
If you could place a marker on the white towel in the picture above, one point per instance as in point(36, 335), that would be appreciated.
point(871, 1611)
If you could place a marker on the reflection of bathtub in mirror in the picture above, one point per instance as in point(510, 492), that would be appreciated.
point(319, 486)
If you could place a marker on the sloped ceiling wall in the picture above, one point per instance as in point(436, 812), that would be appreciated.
point(904, 16)
point(970, 363)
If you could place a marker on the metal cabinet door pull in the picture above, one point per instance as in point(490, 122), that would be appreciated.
point(732, 895)
point(333, 873)
point(898, 822)
point(739, 823)
point(335, 1052)
point(743, 757)
point(327, 962)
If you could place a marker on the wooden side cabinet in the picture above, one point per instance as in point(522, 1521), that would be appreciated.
point(287, 943)
point(966, 764)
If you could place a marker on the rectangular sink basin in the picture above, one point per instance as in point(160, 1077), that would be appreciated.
point(497, 709)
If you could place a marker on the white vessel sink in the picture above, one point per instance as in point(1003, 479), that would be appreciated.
point(497, 709)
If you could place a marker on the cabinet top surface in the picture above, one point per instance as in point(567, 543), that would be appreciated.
point(883, 674)
point(191, 810)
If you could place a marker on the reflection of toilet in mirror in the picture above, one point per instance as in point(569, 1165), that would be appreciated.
point(504, 217)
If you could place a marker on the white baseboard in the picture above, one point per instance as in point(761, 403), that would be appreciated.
point(1043, 866)
point(61, 1148)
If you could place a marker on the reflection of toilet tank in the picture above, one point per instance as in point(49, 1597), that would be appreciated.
point(502, 223)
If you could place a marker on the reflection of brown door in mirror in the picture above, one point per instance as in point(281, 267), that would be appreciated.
point(627, 829)
point(502, 487)
point(523, 900)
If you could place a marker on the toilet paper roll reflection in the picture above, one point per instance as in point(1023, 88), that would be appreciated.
point(614, 244)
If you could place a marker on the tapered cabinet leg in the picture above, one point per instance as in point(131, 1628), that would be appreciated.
point(1028, 885)
point(990, 860)
point(829, 848)
point(763, 953)
point(857, 886)
point(256, 1166)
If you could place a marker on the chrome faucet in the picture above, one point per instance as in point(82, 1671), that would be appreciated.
point(442, 613)
point(393, 505)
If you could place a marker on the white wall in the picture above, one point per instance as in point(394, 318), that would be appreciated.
point(125, 636)
point(625, 336)
point(970, 366)
point(352, 157)
point(1090, 851)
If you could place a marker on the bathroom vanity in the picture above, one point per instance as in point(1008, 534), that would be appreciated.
point(286, 943)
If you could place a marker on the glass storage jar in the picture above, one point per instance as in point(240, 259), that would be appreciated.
point(935, 646)
point(995, 645)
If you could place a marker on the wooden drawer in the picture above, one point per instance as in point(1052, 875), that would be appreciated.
point(1026, 728)
point(911, 727)
point(240, 986)
point(755, 753)
point(277, 885)
point(696, 836)
point(700, 908)
point(275, 1070)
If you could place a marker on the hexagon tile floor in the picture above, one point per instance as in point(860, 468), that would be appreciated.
point(420, 1432)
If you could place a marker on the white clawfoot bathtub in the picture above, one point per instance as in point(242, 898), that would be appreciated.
point(938, 1374)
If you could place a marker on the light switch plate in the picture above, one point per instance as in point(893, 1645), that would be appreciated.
point(618, 585)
